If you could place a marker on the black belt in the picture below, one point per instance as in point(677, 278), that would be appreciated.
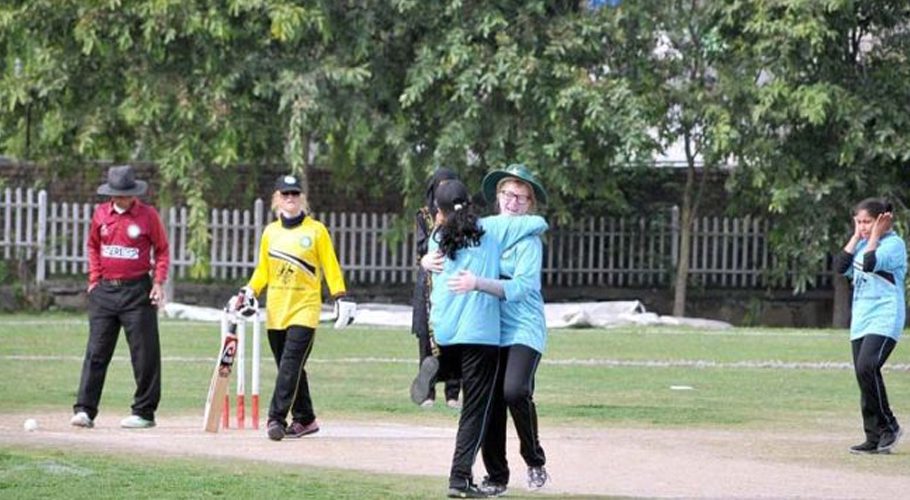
point(125, 282)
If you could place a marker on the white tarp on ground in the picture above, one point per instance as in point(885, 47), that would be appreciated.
point(567, 315)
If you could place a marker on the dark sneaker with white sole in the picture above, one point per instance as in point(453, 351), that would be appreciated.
point(867, 448)
point(493, 488)
point(468, 490)
point(420, 387)
point(298, 430)
point(889, 440)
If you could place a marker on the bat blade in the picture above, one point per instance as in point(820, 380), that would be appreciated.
point(214, 403)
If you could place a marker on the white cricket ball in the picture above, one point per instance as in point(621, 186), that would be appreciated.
point(30, 425)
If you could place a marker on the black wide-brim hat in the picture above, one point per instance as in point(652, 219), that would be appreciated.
point(518, 171)
point(121, 181)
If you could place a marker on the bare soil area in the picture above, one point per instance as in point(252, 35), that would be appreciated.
point(650, 463)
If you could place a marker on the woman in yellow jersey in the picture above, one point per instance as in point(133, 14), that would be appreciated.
point(295, 252)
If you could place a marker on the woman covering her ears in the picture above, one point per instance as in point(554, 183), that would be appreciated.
point(875, 258)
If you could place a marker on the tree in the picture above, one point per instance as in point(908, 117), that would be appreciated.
point(195, 86)
point(394, 88)
point(538, 82)
point(827, 122)
point(683, 77)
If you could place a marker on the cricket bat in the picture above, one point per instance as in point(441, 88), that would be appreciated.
point(214, 403)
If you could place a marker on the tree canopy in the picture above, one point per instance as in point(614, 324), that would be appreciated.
point(804, 101)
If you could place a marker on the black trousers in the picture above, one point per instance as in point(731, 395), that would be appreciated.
point(291, 348)
point(515, 391)
point(869, 355)
point(477, 364)
point(420, 327)
point(111, 307)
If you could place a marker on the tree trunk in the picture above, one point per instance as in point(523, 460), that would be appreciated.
point(682, 265)
point(840, 317)
point(687, 217)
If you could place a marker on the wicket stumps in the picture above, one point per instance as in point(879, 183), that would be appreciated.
point(240, 371)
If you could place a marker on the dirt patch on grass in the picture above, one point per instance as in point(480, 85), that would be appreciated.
point(589, 461)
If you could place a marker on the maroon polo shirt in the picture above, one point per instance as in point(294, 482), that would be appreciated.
point(127, 245)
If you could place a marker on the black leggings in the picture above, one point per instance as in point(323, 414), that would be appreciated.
point(291, 349)
point(515, 391)
point(869, 355)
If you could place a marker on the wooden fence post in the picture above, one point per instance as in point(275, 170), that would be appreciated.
point(41, 264)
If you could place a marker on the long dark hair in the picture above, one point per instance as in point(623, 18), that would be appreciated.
point(874, 206)
point(461, 228)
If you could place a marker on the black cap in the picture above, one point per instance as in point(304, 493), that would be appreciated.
point(452, 195)
point(439, 176)
point(288, 184)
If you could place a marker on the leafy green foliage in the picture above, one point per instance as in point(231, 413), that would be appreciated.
point(805, 99)
point(534, 82)
point(822, 81)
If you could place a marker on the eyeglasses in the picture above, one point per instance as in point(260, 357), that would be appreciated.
point(292, 194)
point(520, 199)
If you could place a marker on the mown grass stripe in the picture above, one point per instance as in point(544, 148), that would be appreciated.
point(653, 363)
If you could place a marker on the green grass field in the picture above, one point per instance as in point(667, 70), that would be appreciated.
point(741, 378)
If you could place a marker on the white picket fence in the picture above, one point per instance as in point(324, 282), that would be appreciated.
point(592, 251)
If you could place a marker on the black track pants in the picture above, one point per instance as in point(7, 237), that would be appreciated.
point(291, 348)
point(869, 355)
point(479, 365)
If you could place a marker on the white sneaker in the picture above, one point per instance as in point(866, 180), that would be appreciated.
point(81, 419)
point(454, 404)
point(427, 403)
point(537, 477)
point(136, 422)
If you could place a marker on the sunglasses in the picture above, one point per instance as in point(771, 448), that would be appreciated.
point(292, 194)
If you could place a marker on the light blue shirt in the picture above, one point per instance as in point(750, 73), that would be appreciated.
point(879, 305)
point(523, 320)
point(474, 318)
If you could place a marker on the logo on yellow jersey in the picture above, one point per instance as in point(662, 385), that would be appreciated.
point(306, 241)
point(286, 273)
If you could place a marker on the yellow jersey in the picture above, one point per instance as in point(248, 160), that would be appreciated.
point(291, 264)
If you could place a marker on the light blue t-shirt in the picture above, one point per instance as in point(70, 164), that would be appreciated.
point(879, 305)
point(474, 318)
point(523, 320)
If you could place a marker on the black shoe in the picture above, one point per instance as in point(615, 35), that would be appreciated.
point(276, 430)
point(420, 387)
point(493, 488)
point(867, 448)
point(469, 490)
point(889, 440)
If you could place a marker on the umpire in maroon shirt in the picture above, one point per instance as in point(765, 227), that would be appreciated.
point(128, 261)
